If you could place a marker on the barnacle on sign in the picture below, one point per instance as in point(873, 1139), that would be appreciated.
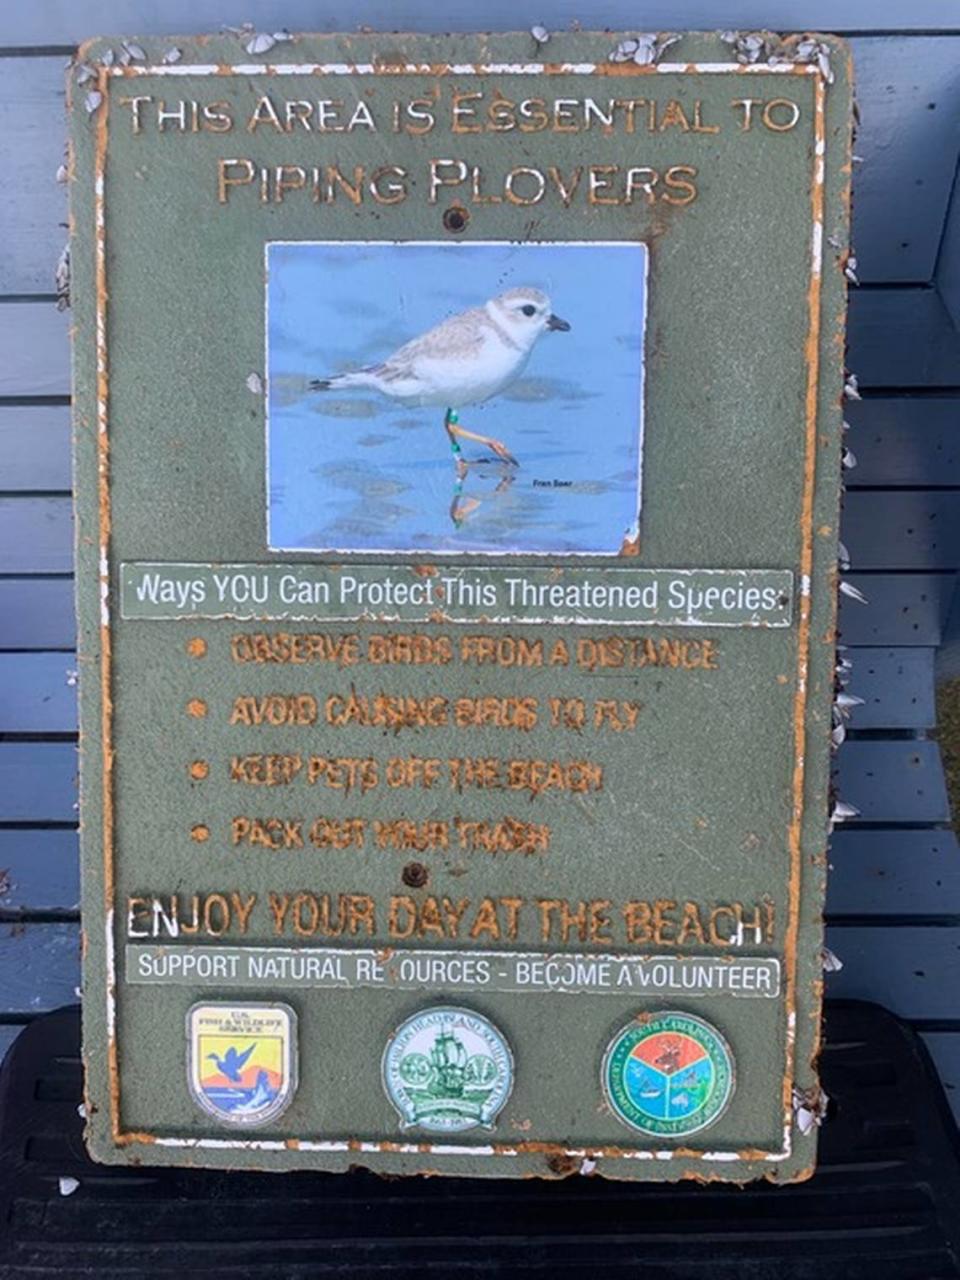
point(848, 589)
point(809, 1108)
point(843, 811)
point(624, 51)
point(845, 702)
point(751, 47)
point(645, 49)
point(62, 279)
point(748, 45)
point(261, 43)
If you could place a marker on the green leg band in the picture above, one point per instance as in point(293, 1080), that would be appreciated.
point(450, 420)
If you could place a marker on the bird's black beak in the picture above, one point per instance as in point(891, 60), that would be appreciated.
point(554, 322)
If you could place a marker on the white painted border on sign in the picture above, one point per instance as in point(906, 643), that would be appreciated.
point(336, 1145)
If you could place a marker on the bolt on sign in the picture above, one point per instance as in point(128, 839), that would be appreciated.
point(458, 438)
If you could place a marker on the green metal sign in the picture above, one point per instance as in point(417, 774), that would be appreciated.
point(457, 453)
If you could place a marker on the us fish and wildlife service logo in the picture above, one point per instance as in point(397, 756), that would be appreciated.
point(447, 1069)
point(242, 1060)
point(670, 1075)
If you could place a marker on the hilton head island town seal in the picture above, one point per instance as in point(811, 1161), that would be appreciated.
point(242, 1061)
point(447, 1069)
point(669, 1075)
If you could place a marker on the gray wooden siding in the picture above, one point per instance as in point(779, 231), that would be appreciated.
point(894, 893)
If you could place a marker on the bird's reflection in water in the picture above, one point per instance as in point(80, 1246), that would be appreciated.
point(463, 505)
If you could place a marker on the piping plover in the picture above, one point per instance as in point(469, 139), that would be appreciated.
point(465, 359)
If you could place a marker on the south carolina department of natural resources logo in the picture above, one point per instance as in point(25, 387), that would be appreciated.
point(447, 1069)
point(670, 1075)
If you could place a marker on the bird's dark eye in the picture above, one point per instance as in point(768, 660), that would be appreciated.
point(529, 310)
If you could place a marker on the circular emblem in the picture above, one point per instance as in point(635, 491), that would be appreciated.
point(447, 1069)
point(670, 1075)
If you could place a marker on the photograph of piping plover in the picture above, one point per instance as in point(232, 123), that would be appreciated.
point(466, 359)
point(439, 397)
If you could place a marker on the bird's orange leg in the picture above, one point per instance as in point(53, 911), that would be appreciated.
point(452, 423)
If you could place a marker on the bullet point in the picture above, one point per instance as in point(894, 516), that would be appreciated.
point(200, 833)
point(197, 708)
point(197, 648)
point(199, 770)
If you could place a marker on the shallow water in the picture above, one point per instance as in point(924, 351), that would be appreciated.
point(351, 470)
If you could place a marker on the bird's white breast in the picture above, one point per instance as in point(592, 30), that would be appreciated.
point(471, 377)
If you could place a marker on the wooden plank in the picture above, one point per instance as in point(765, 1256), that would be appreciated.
point(37, 783)
point(38, 693)
point(36, 349)
point(34, 447)
point(944, 1047)
point(902, 338)
point(33, 207)
point(898, 338)
point(902, 608)
point(909, 96)
point(948, 263)
point(907, 442)
point(894, 873)
point(36, 613)
point(896, 686)
point(902, 529)
point(901, 192)
point(899, 781)
point(912, 970)
point(39, 967)
point(63, 22)
point(39, 871)
point(36, 535)
point(906, 529)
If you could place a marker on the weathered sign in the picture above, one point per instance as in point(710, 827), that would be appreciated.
point(457, 452)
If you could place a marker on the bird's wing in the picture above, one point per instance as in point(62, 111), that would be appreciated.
point(242, 1057)
point(455, 338)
